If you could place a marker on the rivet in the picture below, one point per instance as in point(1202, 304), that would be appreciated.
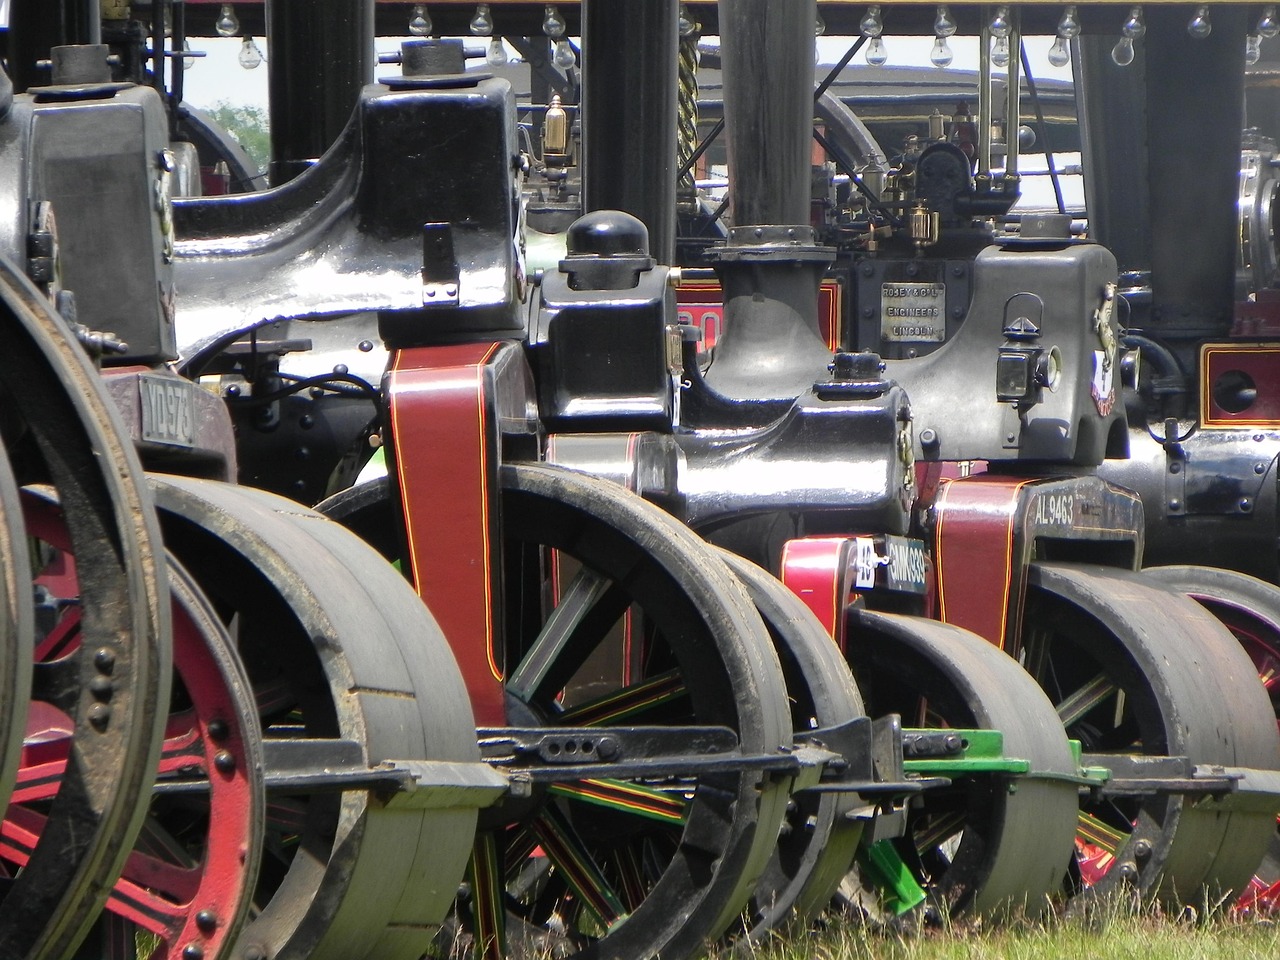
point(306, 421)
point(104, 659)
point(102, 688)
point(218, 729)
point(99, 716)
point(1175, 504)
point(1142, 849)
point(254, 952)
point(224, 761)
point(607, 748)
point(1175, 467)
point(193, 951)
point(1259, 468)
point(1245, 504)
point(364, 346)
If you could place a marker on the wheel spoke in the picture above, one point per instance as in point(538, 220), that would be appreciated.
point(487, 889)
point(589, 606)
point(626, 703)
point(1076, 706)
point(570, 856)
point(661, 805)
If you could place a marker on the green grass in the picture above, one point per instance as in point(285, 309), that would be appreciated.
point(1109, 933)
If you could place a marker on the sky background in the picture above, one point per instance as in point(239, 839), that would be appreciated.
point(219, 77)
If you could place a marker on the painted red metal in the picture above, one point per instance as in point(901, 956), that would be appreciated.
point(701, 303)
point(444, 457)
point(978, 586)
point(162, 895)
point(817, 570)
point(1258, 362)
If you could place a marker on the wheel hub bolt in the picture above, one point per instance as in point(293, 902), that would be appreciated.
point(1142, 849)
point(207, 921)
point(99, 716)
point(1128, 871)
point(224, 761)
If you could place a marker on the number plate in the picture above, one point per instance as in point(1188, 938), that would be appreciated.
point(168, 410)
point(913, 312)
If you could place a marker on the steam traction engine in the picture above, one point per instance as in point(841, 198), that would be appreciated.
point(242, 734)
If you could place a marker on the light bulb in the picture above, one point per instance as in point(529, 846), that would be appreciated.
point(1252, 48)
point(250, 56)
point(940, 55)
point(1134, 28)
point(1000, 27)
point(1268, 25)
point(563, 56)
point(1000, 52)
point(1122, 52)
point(496, 54)
point(420, 21)
point(1199, 27)
point(481, 24)
point(872, 26)
point(187, 61)
point(1069, 25)
point(819, 25)
point(227, 24)
point(877, 55)
point(553, 24)
point(1060, 53)
point(943, 25)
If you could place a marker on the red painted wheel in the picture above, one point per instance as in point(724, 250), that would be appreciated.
point(187, 883)
point(60, 429)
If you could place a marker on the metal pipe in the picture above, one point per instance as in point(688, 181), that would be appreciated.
point(321, 55)
point(629, 86)
point(984, 101)
point(768, 107)
point(1012, 105)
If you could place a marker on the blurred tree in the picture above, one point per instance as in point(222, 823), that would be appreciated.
point(249, 125)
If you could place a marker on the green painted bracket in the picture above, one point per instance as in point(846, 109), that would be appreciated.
point(983, 753)
point(884, 867)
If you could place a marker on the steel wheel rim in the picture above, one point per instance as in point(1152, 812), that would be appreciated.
point(818, 842)
point(542, 507)
point(979, 846)
point(324, 664)
point(69, 434)
point(1187, 689)
point(185, 883)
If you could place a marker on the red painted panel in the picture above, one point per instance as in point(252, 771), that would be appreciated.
point(974, 554)
point(446, 461)
point(816, 571)
point(701, 303)
point(1258, 362)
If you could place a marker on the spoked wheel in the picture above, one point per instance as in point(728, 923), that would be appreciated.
point(818, 842)
point(17, 628)
point(1137, 670)
point(348, 670)
point(988, 843)
point(185, 887)
point(59, 429)
point(1250, 609)
point(646, 867)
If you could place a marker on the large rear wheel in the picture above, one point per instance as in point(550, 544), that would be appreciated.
point(1145, 679)
point(615, 614)
point(990, 843)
